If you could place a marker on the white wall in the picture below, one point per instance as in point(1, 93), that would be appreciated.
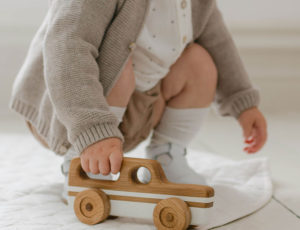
point(262, 13)
point(19, 20)
point(267, 33)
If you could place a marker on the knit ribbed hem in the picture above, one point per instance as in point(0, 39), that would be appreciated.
point(96, 133)
point(30, 114)
point(59, 145)
point(240, 102)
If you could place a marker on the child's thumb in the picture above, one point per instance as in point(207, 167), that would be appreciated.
point(247, 129)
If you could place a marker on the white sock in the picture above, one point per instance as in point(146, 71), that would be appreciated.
point(118, 111)
point(178, 126)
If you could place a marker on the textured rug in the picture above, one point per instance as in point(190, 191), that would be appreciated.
point(31, 185)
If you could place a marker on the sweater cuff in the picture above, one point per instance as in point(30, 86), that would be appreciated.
point(96, 133)
point(239, 102)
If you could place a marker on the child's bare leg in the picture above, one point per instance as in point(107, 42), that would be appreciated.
point(187, 91)
point(123, 88)
point(190, 83)
point(119, 96)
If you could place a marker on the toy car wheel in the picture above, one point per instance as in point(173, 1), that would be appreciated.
point(172, 213)
point(91, 206)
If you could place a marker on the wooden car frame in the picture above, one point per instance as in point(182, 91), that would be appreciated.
point(170, 205)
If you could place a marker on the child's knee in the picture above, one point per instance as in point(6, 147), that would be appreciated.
point(203, 76)
point(202, 60)
point(203, 70)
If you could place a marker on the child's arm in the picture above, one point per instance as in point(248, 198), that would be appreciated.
point(235, 94)
point(75, 32)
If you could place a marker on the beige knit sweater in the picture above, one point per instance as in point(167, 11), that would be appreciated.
point(78, 53)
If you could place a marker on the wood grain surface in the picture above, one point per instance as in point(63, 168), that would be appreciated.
point(128, 180)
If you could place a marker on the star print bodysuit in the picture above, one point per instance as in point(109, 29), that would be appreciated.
point(166, 32)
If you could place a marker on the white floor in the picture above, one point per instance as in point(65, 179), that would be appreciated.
point(224, 136)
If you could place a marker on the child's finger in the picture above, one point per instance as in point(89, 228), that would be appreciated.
point(104, 166)
point(93, 164)
point(115, 162)
point(247, 129)
point(260, 137)
point(249, 141)
point(252, 141)
point(85, 164)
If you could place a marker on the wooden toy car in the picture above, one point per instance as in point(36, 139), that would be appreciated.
point(170, 205)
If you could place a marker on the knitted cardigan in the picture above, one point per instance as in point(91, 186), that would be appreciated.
point(78, 53)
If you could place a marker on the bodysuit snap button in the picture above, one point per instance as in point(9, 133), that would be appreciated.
point(132, 46)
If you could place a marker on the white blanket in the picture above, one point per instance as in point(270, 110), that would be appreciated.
point(31, 185)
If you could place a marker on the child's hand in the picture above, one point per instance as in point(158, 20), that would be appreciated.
point(255, 129)
point(103, 157)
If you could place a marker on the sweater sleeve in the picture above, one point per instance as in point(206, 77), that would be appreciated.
point(74, 34)
point(235, 92)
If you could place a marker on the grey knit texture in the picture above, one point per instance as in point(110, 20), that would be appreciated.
point(78, 53)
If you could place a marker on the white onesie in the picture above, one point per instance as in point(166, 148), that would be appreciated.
point(165, 34)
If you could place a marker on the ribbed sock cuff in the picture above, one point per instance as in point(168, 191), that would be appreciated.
point(179, 126)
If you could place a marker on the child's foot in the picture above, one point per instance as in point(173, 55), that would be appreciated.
point(172, 158)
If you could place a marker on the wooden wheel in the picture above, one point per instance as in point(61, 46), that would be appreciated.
point(91, 206)
point(172, 214)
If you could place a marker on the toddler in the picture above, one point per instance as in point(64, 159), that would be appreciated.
point(100, 75)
